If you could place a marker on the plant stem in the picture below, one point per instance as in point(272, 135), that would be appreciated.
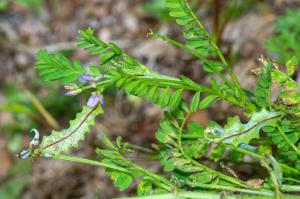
point(90, 162)
point(243, 103)
point(164, 82)
point(169, 186)
point(234, 189)
point(205, 195)
point(192, 51)
point(290, 188)
point(250, 153)
point(221, 175)
point(182, 195)
point(105, 165)
point(219, 53)
point(264, 164)
point(273, 178)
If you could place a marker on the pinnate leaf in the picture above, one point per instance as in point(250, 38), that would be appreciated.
point(57, 67)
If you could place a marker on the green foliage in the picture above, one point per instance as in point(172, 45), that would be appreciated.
point(285, 42)
point(4, 4)
point(263, 89)
point(122, 170)
point(109, 54)
point(158, 9)
point(290, 90)
point(194, 32)
point(57, 67)
point(195, 102)
point(30, 4)
point(193, 157)
point(206, 102)
point(286, 136)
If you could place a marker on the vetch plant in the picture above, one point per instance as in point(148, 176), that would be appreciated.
point(196, 160)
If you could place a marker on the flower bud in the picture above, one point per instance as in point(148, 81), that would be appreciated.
point(71, 93)
point(71, 86)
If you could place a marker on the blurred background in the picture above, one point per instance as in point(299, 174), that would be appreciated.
point(246, 29)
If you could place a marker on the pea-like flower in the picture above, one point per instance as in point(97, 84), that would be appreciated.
point(94, 100)
point(85, 78)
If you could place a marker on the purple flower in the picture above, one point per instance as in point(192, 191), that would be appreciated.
point(87, 78)
point(94, 100)
point(71, 93)
point(102, 101)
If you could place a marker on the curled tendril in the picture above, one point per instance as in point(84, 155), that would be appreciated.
point(26, 153)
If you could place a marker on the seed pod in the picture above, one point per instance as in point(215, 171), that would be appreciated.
point(25, 154)
point(36, 139)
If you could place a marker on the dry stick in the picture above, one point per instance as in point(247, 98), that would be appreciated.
point(39, 106)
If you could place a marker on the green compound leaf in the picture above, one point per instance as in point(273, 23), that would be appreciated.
point(61, 141)
point(90, 43)
point(194, 33)
point(144, 188)
point(57, 67)
point(263, 91)
point(236, 133)
point(206, 102)
point(175, 99)
point(109, 53)
point(195, 102)
point(290, 90)
point(284, 139)
point(122, 180)
point(291, 65)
